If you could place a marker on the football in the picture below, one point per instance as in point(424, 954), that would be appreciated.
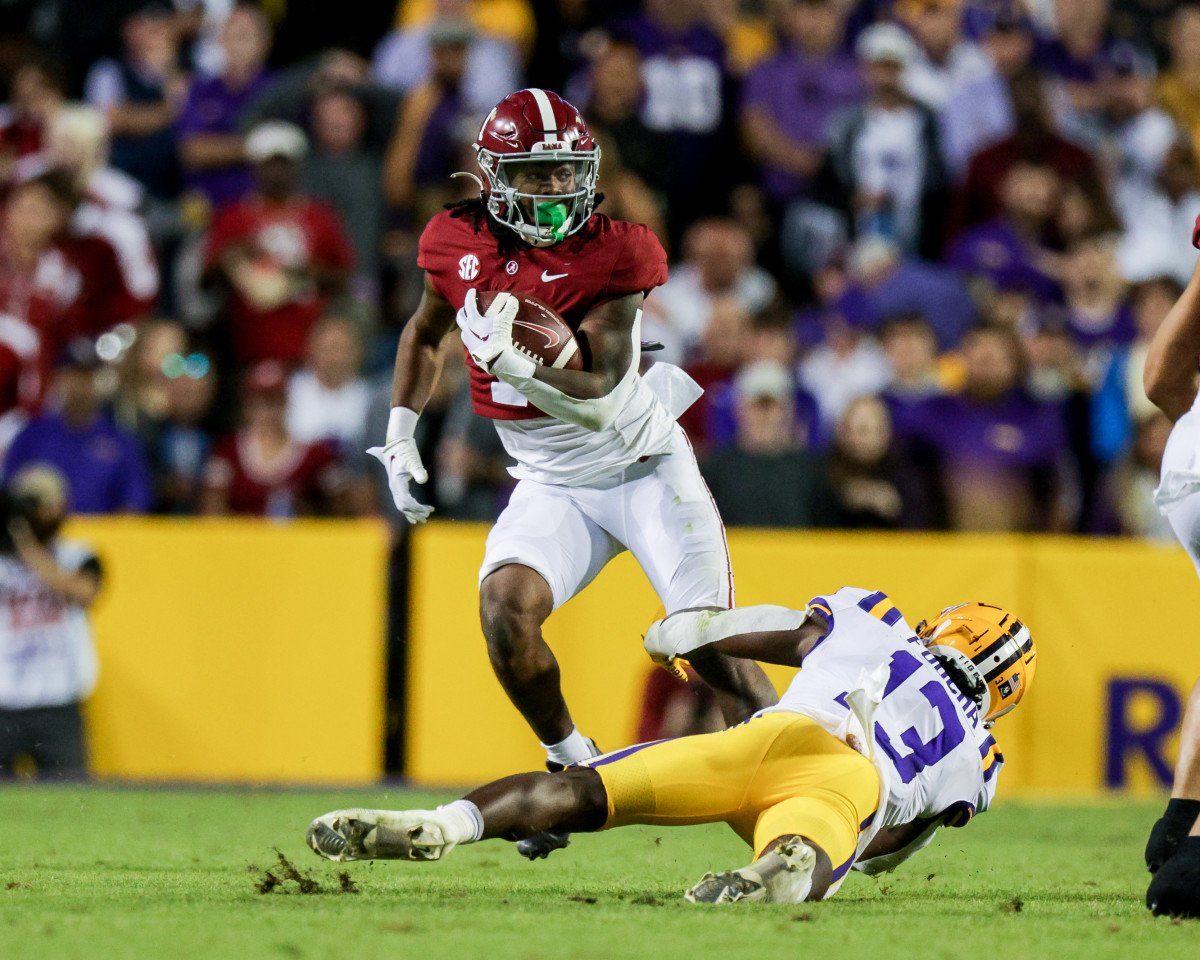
point(539, 332)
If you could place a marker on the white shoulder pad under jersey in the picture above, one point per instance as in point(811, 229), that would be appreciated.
point(934, 753)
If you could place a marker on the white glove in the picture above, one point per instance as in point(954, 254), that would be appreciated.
point(402, 462)
point(488, 336)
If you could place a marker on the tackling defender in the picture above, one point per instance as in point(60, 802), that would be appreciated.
point(1173, 851)
point(879, 740)
point(601, 462)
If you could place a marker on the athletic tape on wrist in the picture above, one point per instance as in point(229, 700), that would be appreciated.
point(402, 424)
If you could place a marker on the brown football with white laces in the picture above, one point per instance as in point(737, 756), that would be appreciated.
point(539, 333)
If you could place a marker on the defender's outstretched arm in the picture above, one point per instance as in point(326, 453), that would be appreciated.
point(768, 633)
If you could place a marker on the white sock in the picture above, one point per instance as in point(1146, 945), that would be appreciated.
point(574, 748)
point(464, 819)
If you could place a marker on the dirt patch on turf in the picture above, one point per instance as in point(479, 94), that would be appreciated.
point(283, 872)
point(1015, 905)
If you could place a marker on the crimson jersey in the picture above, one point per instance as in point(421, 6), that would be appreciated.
point(299, 235)
point(112, 251)
point(37, 317)
point(299, 482)
point(606, 260)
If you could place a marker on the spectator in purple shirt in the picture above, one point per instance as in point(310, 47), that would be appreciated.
point(885, 284)
point(1012, 244)
point(1098, 314)
point(103, 464)
point(686, 99)
point(432, 131)
point(999, 454)
point(910, 348)
point(787, 102)
point(210, 143)
point(788, 99)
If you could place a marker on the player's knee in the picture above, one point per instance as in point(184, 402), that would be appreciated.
point(589, 799)
point(513, 603)
point(573, 800)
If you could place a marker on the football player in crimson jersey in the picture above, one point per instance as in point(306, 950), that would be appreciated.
point(1173, 851)
point(603, 466)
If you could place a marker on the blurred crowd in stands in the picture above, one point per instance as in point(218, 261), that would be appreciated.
point(918, 247)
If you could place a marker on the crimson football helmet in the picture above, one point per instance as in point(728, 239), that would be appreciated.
point(539, 164)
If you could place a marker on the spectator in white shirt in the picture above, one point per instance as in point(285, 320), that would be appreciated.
point(956, 79)
point(47, 658)
point(1133, 134)
point(402, 61)
point(718, 263)
point(1150, 245)
point(327, 399)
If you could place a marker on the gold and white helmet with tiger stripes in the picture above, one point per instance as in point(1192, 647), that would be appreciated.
point(990, 646)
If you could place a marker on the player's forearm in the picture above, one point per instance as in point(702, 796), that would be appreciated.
point(418, 363)
point(589, 399)
point(591, 413)
point(1169, 376)
point(579, 384)
point(783, 647)
point(766, 632)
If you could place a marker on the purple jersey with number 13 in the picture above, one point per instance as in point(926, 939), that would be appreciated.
point(932, 750)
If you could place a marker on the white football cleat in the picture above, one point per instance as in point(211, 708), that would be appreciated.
point(782, 876)
point(358, 834)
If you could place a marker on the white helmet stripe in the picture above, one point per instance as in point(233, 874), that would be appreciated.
point(549, 124)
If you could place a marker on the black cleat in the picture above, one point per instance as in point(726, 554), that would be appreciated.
point(541, 845)
point(1170, 831)
point(1175, 889)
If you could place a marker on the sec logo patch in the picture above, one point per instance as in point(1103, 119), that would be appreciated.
point(468, 267)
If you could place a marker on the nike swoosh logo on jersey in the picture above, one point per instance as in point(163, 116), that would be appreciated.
point(547, 277)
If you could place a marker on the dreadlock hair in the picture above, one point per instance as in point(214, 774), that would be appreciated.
point(475, 209)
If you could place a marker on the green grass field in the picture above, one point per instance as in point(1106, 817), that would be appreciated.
point(103, 873)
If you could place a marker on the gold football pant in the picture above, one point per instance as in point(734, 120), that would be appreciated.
point(776, 775)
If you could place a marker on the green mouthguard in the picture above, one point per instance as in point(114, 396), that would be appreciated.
point(553, 214)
